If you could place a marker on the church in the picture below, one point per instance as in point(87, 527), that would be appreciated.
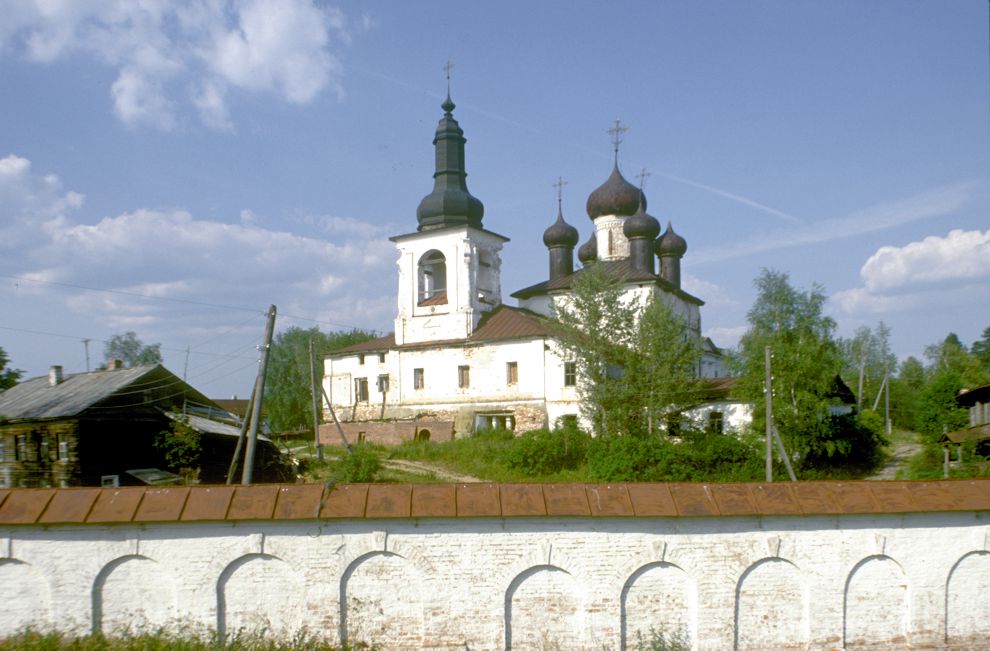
point(458, 353)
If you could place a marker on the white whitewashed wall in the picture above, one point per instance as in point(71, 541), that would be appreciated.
point(818, 582)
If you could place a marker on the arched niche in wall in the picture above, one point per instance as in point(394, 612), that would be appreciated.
point(381, 601)
point(132, 594)
point(875, 605)
point(658, 597)
point(771, 607)
point(25, 596)
point(967, 600)
point(431, 277)
point(543, 610)
point(260, 593)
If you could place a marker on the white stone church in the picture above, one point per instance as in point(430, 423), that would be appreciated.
point(458, 353)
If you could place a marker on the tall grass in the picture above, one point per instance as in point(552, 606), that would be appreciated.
point(32, 640)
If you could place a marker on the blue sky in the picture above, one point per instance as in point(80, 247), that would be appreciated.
point(173, 168)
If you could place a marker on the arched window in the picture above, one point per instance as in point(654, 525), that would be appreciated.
point(432, 276)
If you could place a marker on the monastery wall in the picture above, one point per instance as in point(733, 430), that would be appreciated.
point(817, 565)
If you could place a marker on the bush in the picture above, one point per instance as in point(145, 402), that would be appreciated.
point(846, 441)
point(699, 457)
point(544, 452)
point(360, 466)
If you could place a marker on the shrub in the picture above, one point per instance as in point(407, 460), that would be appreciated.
point(544, 452)
point(846, 441)
point(360, 466)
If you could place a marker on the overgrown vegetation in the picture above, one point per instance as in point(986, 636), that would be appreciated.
point(361, 465)
point(31, 640)
point(288, 398)
point(181, 447)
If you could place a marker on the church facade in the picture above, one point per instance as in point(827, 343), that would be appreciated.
point(458, 352)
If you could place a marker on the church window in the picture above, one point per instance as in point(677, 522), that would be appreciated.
point(570, 374)
point(432, 277)
point(511, 372)
point(361, 359)
point(464, 376)
point(418, 378)
point(381, 358)
point(383, 383)
point(361, 389)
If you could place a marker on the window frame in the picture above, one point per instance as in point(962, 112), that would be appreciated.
point(511, 373)
point(419, 379)
point(570, 374)
point(464, 376)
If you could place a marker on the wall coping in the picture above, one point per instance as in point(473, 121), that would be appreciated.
point(263, 502)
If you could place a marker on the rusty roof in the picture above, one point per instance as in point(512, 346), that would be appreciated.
point(29, 506)
point(504, 322)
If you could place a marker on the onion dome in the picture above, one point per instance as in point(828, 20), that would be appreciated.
point(450, 203)
point(560, 233)
point(589, 251)
point(616, 196)
point(670, 243)
point(641, 225)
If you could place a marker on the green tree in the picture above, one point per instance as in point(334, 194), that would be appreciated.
point(805, 363)
point(636, 360)
point(981, 350)
point(937, 409)
point(867, 360)
point(288, 398)
point(8, 376)
point(951, 356)
point(129, 349)
point(904, 392)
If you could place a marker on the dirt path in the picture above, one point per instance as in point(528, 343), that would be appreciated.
point(900, 454)
point(421, 468)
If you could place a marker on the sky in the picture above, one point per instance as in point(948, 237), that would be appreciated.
point(174, 167)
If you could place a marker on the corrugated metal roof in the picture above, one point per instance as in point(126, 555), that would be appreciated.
point(36, 398)
point(26, 506)
point(619, 270)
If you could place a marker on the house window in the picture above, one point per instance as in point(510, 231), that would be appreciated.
point(21, 449)
point(570, 374)
point(464, 376)
point(361, 359)
point(361, 389)
point(418, 378)
point(511, 372)
point(43, 448)
point(381, 358)
point(63, 448)
point(383, 383)
point(3, 449)
point(716, 422)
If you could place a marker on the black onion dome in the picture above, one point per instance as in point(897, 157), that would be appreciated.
point(450, 203)
point(641, 225)
point(670, 243)
point(616, 196)
point(588, 251)
point(560, 233)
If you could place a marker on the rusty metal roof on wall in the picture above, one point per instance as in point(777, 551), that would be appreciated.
point(49, 506)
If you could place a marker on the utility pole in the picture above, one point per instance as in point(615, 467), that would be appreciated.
point(886, 403)
point(185, 367)
point(316, 401)
point(232, 469)
point(86, 346)
point(259, 392)
point(768, 389)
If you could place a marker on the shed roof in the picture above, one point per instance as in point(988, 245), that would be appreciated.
point(37, 398)
point(45, 506)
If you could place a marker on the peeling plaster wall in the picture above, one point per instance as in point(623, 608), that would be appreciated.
point(813, 582)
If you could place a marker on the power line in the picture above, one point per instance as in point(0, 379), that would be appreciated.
point(185, 301)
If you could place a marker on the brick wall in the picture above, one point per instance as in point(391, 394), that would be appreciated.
point(820, 566)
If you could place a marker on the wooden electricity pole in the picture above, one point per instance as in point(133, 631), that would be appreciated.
point(768, 390)
point(259, 392)
point(316, 401)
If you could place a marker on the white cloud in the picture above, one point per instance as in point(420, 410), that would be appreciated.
point(161, 48)
point(960, 255)
point(933, 271)
point(713, 295)
point(726, 337)
point(28, 201)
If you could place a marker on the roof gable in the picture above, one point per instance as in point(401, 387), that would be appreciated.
point(36, 398)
